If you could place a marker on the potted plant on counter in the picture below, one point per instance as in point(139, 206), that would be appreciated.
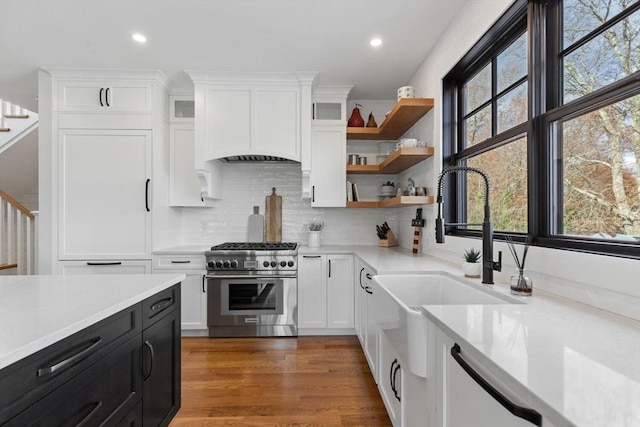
point(472, 266)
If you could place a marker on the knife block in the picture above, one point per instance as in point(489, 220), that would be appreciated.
point(390, 241)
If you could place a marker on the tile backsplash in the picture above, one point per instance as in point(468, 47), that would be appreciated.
point(247, 184)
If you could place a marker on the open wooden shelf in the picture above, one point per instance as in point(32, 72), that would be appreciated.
point(404, 115)
point(393, 202)
point(398, 161)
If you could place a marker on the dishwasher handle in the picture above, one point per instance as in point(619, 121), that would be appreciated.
point(530, 415)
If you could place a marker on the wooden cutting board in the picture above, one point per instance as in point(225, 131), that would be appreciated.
point(273, 217)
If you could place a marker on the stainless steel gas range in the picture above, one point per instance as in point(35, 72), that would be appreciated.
point(252, 289)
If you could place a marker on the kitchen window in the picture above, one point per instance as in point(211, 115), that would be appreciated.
point(548, 104)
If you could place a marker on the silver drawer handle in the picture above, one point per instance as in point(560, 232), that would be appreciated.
point(70, 360)
point(251, 320)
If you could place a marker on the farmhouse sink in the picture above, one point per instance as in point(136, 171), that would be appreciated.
point(397, 301)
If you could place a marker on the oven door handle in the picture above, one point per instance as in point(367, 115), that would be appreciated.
point(251, 277)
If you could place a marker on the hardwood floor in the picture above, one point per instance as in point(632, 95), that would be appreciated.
point(319, 381)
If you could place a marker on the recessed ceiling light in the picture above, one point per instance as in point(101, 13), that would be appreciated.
point(139, 37)
point(375, 42)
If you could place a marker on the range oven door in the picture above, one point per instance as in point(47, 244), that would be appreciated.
point(252, 306)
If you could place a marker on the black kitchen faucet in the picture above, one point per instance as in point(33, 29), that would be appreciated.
point(488, 265)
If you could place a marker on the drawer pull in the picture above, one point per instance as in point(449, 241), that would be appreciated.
point(105, 263)
point(311, 256)
point(162, 304)
point(186, 261)
point(525, 413)
point(153, 355)
point(70, 360)
point(368, 290)
point(85, 420)
point(368, 276)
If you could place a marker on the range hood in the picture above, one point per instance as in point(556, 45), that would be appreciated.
point(255, 158)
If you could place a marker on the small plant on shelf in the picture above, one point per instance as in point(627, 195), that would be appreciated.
point(472, 266)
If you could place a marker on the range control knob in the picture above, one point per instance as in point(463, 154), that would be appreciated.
point(290, 263)
point(266, 263)
point(273, 263)
point(283, 263)
point(211, 265)
point(219, 264)
point(226, 263)
point(234, 264)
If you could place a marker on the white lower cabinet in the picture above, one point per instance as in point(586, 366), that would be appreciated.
point(463, 402)
point(193, 294)
point(391, 380)
point(105, 267)
point(325, 292)
point(365, 324)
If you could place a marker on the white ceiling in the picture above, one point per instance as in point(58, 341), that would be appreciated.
point(327, 36)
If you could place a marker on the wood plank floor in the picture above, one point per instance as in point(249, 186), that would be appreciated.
point(314, 381)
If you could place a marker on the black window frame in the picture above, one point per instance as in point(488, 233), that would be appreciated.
point(542, 20)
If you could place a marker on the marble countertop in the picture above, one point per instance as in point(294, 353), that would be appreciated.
point(37, 311)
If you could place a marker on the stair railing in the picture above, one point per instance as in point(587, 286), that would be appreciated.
point(17, 236)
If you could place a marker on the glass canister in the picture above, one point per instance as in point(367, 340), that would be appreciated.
point(520, 283)
point(386, 148)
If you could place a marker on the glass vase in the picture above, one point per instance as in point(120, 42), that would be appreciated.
point(521, 284)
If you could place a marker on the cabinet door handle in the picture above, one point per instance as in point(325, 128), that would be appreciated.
point(530, 415)
point(100, 96)
point(204, 277)
point(368, 276)
point(311, 256)
point(396, 392)
point(186, 261)
point(361, 277)
point(313, 193)
point(94, 410)
point(152, 354)
point(106, 97)
point(92, 344)
point(368, 290)
point(393, 364)
point(146, 195)
point(163, 303)
point(329, 268)
point(105, 263)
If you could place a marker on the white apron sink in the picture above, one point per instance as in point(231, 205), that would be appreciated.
point(397, 301)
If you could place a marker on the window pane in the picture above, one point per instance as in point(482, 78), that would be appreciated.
point(512, 63)
point(477, 91)
point(478, 126)
point(512, 108)
point(506, 167)
point(600, 178)
point(603, 60)
point(583, 16)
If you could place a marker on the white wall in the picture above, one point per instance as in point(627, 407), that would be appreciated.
point(247, 184)
point(605, 282)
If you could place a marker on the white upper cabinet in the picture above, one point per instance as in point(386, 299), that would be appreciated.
point(184, 185)
point(103, 95)
point(239, 114)
point(328, 159)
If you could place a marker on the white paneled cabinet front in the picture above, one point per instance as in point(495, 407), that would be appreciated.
point(100, 95)
point(105, 267)
point(463, 402)
point(253, 120)
point(184, 185)
point(325, 292)
point(104, 200)
point(328, 171)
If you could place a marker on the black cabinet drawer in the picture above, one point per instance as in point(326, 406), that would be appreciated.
point(104, 395)
point(30, 379)
point(156, 307)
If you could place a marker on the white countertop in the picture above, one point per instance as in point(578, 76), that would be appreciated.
point(37, 311)
point(577, 365)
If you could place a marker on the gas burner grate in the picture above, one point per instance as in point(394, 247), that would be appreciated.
point(255, 246)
